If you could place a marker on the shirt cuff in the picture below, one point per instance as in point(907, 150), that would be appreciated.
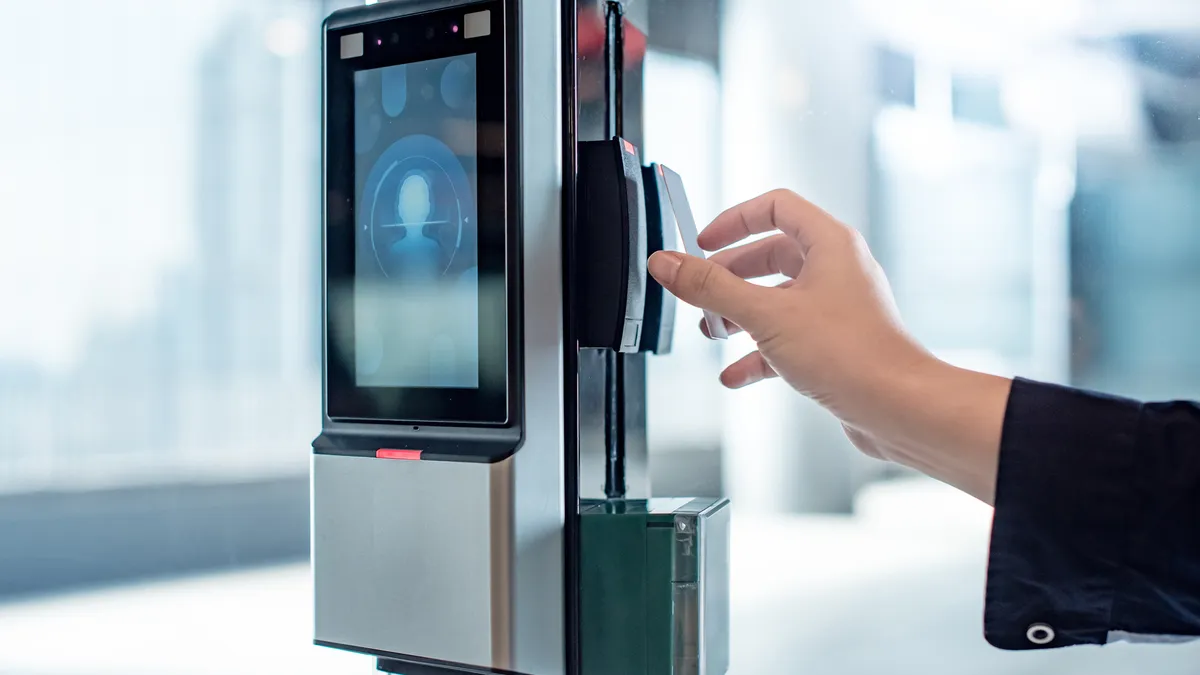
point(1064, 502)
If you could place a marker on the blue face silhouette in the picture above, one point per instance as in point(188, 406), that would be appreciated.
point(418, 211)
point(415, 256)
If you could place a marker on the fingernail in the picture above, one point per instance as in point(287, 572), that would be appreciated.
point(664, 265)
point(731, 382)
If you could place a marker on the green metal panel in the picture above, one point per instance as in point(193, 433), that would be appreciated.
point(658, 600)
point(650, 574)
point(612, 596)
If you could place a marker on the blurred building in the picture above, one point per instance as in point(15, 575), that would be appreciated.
point(257, 278)
point(225, 360)
point(258, 219)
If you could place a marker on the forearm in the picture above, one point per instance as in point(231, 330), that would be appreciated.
point(945, 422)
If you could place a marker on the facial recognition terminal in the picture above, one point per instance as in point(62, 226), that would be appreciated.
point(438, 504)
point(481, 247)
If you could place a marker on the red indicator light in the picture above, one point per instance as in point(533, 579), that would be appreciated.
point(388, 453)
point(629, 147)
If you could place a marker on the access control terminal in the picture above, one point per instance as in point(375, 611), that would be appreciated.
point(487, 316)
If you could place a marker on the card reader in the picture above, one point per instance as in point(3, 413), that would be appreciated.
point(611, 248)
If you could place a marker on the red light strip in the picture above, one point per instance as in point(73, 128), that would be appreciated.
point(387, 453)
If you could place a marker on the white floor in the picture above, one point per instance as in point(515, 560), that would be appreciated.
point(897, 590)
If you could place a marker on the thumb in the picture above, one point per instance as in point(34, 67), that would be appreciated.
point(706, 285)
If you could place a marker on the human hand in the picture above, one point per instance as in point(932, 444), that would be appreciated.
point(832, 332)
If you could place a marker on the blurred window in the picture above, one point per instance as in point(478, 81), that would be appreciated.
point(160, 200)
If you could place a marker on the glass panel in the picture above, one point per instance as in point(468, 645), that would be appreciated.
point(687, 142)
point(161, 199)
point(1026, 175)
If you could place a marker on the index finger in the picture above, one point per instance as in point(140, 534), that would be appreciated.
point(781, 210)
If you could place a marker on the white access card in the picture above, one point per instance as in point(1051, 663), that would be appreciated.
point(688, 233)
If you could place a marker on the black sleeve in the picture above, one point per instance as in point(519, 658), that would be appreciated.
point(1096, 534)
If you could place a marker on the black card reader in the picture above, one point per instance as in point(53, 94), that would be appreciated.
point(611, 246)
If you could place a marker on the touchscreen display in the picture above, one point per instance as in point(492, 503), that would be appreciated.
point(416, 260)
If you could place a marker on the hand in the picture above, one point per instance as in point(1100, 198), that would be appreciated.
point(832, 332)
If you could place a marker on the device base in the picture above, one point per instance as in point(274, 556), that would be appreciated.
point(401, 667)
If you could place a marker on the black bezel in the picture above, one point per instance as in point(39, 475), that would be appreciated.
point(423, 37)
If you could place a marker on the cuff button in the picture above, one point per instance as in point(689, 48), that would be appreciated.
point(1040, 634)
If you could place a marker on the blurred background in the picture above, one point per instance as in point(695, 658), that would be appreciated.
point(1028, 173)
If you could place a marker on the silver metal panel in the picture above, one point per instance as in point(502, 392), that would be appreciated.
point(412, 557)
point(701, 591)
point(538, 629)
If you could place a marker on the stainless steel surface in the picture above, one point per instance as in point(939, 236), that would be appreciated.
point(537, 610)
point(700, 593)
point(714, 576)
point(406, 554)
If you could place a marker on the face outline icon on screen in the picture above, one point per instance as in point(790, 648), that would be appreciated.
point(416, 255)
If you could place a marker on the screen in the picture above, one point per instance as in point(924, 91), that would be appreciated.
point(416, 261)
point(420, 277)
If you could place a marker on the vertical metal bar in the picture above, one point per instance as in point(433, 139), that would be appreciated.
point(571, 540)
point(614, 72)
point(614, 376)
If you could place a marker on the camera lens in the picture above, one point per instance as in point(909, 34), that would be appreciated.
point(429, 33)
point(395, 38)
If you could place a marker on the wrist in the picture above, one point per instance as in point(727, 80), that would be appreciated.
point(946, 422)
